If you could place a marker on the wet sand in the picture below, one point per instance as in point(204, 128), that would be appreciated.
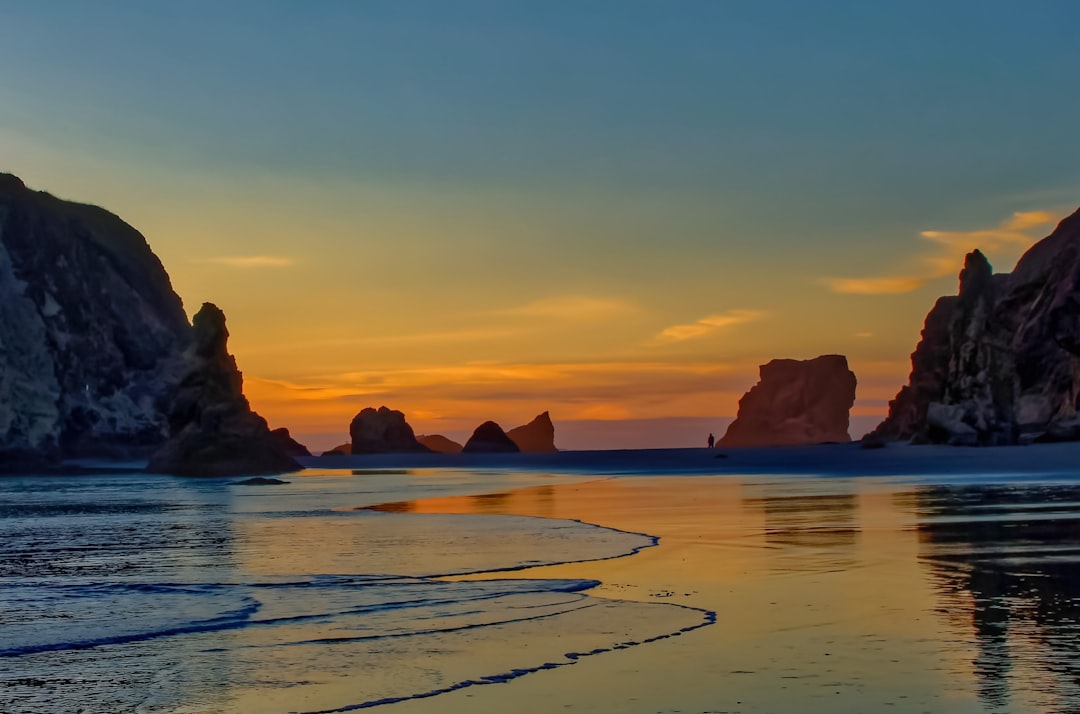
point(831, 595)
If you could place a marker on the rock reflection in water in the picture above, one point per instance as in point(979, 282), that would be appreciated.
point(1004, 561)
point(808, 531)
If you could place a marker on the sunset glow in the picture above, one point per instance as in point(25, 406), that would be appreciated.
point(524, 211)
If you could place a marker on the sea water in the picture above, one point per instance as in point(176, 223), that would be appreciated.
point(148, 593)
point(920, 591)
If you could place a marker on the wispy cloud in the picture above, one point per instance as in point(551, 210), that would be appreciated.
point(581, 308)
point(706, 325)
point(875, 286)
point(253, 261)
point(1014, 234)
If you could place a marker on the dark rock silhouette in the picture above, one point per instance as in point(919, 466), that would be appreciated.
point(439, 444)
point(91, 333)
point(489, 438)
point(796, 402)
point(260, 481)
point(213, 431)
point(383, 431)
point(538, 436)
point(1000, 362)
point(289, 445)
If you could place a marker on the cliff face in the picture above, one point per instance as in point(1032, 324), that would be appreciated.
point(796, 402)
point(383, 431)
point(91, 332)
point(538, 436)
point(213, 431)
point(1000, 362)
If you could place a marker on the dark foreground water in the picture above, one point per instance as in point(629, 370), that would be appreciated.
point(152, 594)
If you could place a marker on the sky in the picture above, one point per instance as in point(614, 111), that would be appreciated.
point(612, 210)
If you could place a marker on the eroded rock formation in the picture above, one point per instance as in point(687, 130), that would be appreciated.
point(289, 445)
point(489, 438)
point(439, 443)
point(538, 436)
point(213, 431)
point(796, 402)
point(1000, 362)
point(383, 431)
point(91, 333)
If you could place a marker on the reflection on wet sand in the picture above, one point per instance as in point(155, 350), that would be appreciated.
point(832, 595)
point(1004, 561)
point(807, 531)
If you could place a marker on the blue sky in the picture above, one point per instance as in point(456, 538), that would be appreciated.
point(413, 173)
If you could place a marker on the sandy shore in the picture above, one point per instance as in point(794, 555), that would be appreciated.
point(824, 597)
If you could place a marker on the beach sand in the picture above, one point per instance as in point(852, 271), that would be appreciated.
point(807, 580)
point(827, 594)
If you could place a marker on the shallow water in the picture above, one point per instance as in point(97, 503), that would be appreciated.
point(137, 593)
point(924, 593)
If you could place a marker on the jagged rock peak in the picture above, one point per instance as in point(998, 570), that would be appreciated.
point(998, 363)
point(796, 402)
point(489, 438)
point(213, 431)
point(211, 336)
point(383, 431)
point(976, 275)
point(538, 436)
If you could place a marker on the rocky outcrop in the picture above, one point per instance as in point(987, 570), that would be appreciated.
point(439, 444)
point(538, 436)
point(340, 450)
point(796, 402)
point(289, 445)
point(1000, 362)
point(91, 333)
point(383, 431)
point(213, 431)
point(489, 438)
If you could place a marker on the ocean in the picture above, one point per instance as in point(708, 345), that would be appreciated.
point(354, 588)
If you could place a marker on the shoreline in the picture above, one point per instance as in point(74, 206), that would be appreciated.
point(825, 460)
point(837, 460)
point(809, 636)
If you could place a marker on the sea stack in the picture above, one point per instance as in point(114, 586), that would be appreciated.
point(489, 438)
point(289, 445)
point(538, 436)
point(383, 431)
point(91, 333)
point(213, 431)
point(999, 363)
point(439, 443)
point(796, 402)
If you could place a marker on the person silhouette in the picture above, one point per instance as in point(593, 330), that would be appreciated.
point(712, 441)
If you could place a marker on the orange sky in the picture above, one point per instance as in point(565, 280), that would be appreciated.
point(503, 209)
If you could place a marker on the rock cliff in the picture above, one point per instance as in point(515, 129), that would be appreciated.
point(212, 430)
point(383, 431)
point(489, 438)
point(91, 333)
point(1000, 362)
point(796, 402)
point(538, 436)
